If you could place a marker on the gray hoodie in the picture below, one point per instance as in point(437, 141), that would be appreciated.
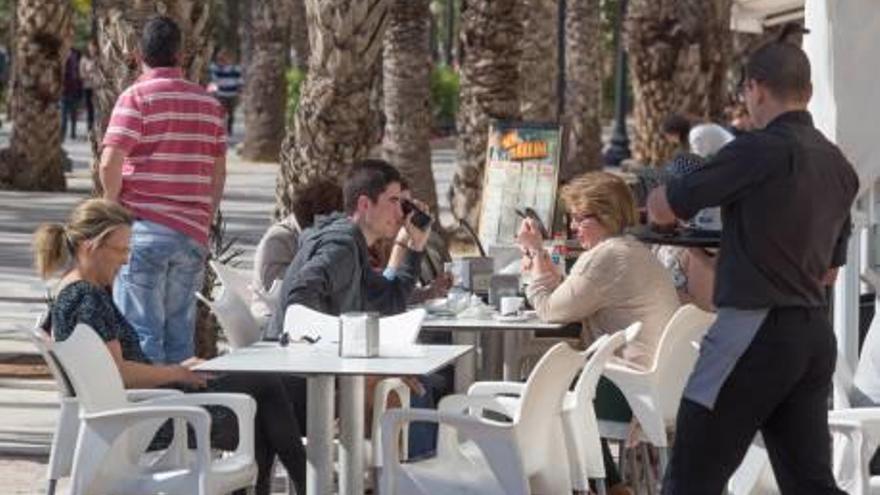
point(331, 273)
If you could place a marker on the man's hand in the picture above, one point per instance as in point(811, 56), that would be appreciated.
point(418, 238)
point(829, 277)
point(660, 214)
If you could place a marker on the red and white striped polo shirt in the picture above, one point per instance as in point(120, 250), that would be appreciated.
point(171, 130)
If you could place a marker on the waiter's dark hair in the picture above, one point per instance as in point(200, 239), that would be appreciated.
point(783, 68)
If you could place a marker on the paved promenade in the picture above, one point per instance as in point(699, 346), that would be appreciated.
point(28, 407)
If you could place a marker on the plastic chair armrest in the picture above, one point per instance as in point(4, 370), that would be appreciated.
point(495, 440)
point(114, 421)
point(242, 405)
point(142, 394)
point(496, 388)
point(460, 404)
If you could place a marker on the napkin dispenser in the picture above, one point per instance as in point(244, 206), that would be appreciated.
point(475, 273)
point(502, 285)
point(359, 335)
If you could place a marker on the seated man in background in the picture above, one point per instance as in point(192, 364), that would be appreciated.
point(331, 271)
point(279, 244)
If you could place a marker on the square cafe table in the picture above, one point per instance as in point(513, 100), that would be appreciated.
point(321, 364)
point(466, 331)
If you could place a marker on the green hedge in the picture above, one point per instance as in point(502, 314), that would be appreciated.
point(444, 97)
point(295, 78)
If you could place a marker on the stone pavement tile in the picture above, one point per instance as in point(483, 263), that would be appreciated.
point(22, 475)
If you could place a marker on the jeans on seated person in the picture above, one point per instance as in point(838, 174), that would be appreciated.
point(155, 290)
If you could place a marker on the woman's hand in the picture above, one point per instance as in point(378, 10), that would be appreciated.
point(529, 236)
point(186, 376)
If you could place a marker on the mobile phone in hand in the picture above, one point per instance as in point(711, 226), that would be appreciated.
point(420, 219)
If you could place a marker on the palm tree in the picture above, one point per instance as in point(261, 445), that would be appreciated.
point(265, 95)
point(406, 82)
point(489, 57)
point(34, 159)
point(119, 25)
point(678, 51)
point(583, 90)
point(538, 65)
point(334, 124)
point(299, 33)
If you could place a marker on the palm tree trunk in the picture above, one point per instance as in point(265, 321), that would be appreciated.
point(538, 66)
point(679, 51)
point(583, 90)
point(119, 26)
point(299, 33)
point(43, 34)
point(334, 124)
point(407, 78)
point(489, 57)
point(265, 95)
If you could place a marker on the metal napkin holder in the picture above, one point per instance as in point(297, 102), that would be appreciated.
point(359, 335)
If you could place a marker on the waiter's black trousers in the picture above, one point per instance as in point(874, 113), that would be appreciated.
point(780, 386)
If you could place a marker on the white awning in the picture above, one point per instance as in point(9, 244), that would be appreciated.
point(752, 16)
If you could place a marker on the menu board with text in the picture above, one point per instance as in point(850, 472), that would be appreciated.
point(522, 170)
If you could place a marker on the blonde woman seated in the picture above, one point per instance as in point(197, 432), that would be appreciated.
point(614, 283)
point(89, 250)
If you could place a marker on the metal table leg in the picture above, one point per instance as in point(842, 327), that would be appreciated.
point(351, 435)
point(466, 366)
point(319, 451)
point(511, 356)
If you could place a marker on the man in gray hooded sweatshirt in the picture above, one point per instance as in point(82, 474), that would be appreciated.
point(331, 272)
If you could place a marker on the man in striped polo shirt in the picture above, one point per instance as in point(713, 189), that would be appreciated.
point(164, 158)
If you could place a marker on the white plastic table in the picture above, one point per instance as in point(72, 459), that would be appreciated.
point(321, 364)
point(466, 331)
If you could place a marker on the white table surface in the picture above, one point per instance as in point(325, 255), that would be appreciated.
point(465, 331)
point(323, 359)
point(321, 364)
point(472, 324)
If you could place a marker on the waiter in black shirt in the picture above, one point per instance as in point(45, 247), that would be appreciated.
point(766, 363)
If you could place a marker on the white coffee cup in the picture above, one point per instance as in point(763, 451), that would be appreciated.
point(511, 306)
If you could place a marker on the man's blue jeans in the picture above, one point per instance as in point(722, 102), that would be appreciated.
point(156, 290)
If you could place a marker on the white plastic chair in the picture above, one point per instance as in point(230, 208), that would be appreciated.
point(581, 427)
point(113, 434)
point(476, 454)
point(232, 309)
point(654, 394)
point(67, 426)
point(855, 438)
point(398, 330)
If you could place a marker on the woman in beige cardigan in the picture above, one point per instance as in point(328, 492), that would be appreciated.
point(614, 283)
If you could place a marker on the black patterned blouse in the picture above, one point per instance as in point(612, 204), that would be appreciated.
point(83, 302)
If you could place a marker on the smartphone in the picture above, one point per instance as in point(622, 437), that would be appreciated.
point(420, 219)
point(530, 213)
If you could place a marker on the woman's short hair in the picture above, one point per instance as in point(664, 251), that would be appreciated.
point(321, 197)
point(604, 195)
point(92, 220)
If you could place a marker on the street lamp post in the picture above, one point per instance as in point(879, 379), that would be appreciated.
point(560, 60)
point(619, 147)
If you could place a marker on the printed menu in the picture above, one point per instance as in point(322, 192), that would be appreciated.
point(522, 170)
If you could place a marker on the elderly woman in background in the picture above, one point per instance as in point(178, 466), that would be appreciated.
point(616, 281)
point(89, 250)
